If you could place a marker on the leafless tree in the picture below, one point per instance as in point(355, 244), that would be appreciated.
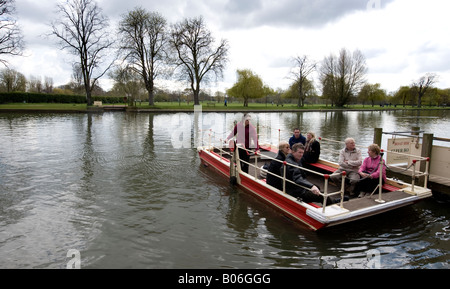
point(342, 76)
point(144, 41)
point(35, 84)
point(82, 29)
point(195, 58)
point(11, 38)
point(300, 73)
point(421, 86)
point(48, 84)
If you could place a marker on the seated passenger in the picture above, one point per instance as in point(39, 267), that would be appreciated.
point(276, 165)
point(308, 192)
point(370, 172)
point(350, 160)
point(312, 149)
point(297, 138)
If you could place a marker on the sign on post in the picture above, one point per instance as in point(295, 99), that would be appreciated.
point(401, 150)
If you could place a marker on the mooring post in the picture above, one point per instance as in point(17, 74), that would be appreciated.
point(427, 146)
point(377, 136)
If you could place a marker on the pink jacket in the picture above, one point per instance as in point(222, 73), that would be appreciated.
point(372, 166)
point(246, 135)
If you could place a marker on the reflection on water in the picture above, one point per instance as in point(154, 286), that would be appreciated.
point(128, 191)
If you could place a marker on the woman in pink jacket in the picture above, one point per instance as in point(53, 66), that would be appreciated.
point(370, 172)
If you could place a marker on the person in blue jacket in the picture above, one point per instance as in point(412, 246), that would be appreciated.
point(297, 138)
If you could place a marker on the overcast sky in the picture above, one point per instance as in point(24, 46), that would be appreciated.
point(401, 39)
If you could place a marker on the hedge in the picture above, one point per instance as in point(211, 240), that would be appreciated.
point(17, 97)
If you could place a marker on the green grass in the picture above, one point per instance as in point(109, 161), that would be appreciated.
point(183, 106)
point(44, 106)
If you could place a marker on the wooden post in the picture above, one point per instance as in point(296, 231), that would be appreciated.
point(377, 136)
point(427, 146)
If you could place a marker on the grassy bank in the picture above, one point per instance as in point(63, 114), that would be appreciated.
point(44, 106)
point(171, 106)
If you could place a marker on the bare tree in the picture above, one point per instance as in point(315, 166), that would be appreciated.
point(144, 41)
point(195, 57)
point(48, 84)
point(35, 84)
point(11, 38)
point(343, 76)
point(423, 85)
point(300, 73)
point(83, 30)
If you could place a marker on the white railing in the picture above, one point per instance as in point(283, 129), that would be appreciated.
point(325, 194)
point(412, 167)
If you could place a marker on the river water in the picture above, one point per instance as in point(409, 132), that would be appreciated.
point(128, 191)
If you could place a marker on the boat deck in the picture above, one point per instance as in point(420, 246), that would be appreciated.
point(353, 203)
point(395, 194)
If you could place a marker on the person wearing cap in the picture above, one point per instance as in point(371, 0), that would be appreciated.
point(247, 137)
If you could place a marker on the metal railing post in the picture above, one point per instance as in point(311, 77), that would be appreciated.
point(256, 165)
point(413, 175)
point(325, 193)
point(344, 174)
point(380, 183)
point(427, 173)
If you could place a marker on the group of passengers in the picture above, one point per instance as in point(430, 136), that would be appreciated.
point(362, 176)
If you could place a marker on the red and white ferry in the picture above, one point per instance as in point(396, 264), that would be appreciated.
point(390, 196)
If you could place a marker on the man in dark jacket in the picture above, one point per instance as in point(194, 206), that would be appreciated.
point(273, 175)
point(308, 192)
point(297, 138)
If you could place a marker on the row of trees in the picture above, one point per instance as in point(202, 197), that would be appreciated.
point(342, 81)
point(146, 47)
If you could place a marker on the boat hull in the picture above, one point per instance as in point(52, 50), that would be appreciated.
point(311, 215)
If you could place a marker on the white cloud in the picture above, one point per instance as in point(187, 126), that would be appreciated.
point(401, 41)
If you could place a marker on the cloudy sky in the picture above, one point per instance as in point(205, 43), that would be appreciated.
point(401, 39)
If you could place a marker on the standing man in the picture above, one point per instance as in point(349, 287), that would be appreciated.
point(297, 138)
point(246, 137)
point(350, 159)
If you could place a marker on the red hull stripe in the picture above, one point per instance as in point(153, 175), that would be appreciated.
point(290, 207)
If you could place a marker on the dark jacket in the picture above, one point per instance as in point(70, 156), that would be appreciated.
point(275, 167)
point(312, 153)
point(293, 140)
point(295, 174)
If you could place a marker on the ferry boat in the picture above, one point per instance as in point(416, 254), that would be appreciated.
point(389, 196)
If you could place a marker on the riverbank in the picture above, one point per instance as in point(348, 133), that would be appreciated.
point(207, 106)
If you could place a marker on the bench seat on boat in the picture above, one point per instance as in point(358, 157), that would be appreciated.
point(330, 169)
